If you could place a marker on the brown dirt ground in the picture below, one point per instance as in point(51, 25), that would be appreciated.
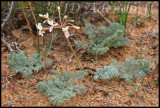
point(118, 91)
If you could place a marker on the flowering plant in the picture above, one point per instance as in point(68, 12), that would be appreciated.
point(64, 26)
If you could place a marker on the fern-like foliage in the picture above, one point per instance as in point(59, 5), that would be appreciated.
point(18, 62)
point(60, 88)
point(128, 70)
point(107, 72)
point(106, 38)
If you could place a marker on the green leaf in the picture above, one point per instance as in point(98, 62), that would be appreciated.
point(43, 42)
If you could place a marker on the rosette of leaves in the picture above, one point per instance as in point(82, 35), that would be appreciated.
point(60, 88)
point(18, 62)
point(103, 38)
point(129, 70)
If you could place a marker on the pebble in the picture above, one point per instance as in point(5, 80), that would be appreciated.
point(154, 47)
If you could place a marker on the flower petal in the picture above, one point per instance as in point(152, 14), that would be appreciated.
point(50, 22)
point(41, 33)
point(66, 33)
point(66, 28)
point(50, 29)
point(46, 15)
point(39, 26)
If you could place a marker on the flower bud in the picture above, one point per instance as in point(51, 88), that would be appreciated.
point(76, 27)
point(65, 17)
point(40, 15)
point(58, 8)
point(71, 20)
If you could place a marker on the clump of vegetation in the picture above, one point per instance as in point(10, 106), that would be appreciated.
point(128, 70)
point(18, 62)
point(60, 88)
point(123, 14)
point(104, 38)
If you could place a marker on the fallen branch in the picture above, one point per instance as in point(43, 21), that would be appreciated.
point(8, 45)
point(7, 17)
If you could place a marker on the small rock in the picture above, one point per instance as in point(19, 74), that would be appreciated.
point(105, 93)
point(154, 46)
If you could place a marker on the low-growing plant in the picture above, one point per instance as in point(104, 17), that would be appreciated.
point(61, 88)
point(129, 70)
point(103, 38)
point(135, 90)
point(150, 11)
point(9, 103)
point(26, 65)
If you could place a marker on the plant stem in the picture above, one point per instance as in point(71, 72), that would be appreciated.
point(74, 54)
point(36, 27)
point(27, 21)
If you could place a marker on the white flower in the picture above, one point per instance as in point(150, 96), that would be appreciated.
point(39, 26)
point(50, 22)
point(66, 34)
point(52, 25)
point(50, 29)
point(65, 30)
point(41, 32)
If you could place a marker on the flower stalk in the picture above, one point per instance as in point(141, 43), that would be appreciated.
point(79, 63)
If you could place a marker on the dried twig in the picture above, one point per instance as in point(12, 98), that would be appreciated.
point(7, 17)
point(103, 16)
point(17, 49)
point(96, 89)
point(137, 22)
point(58, 62)
point(149, 33)
point(8, 45)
